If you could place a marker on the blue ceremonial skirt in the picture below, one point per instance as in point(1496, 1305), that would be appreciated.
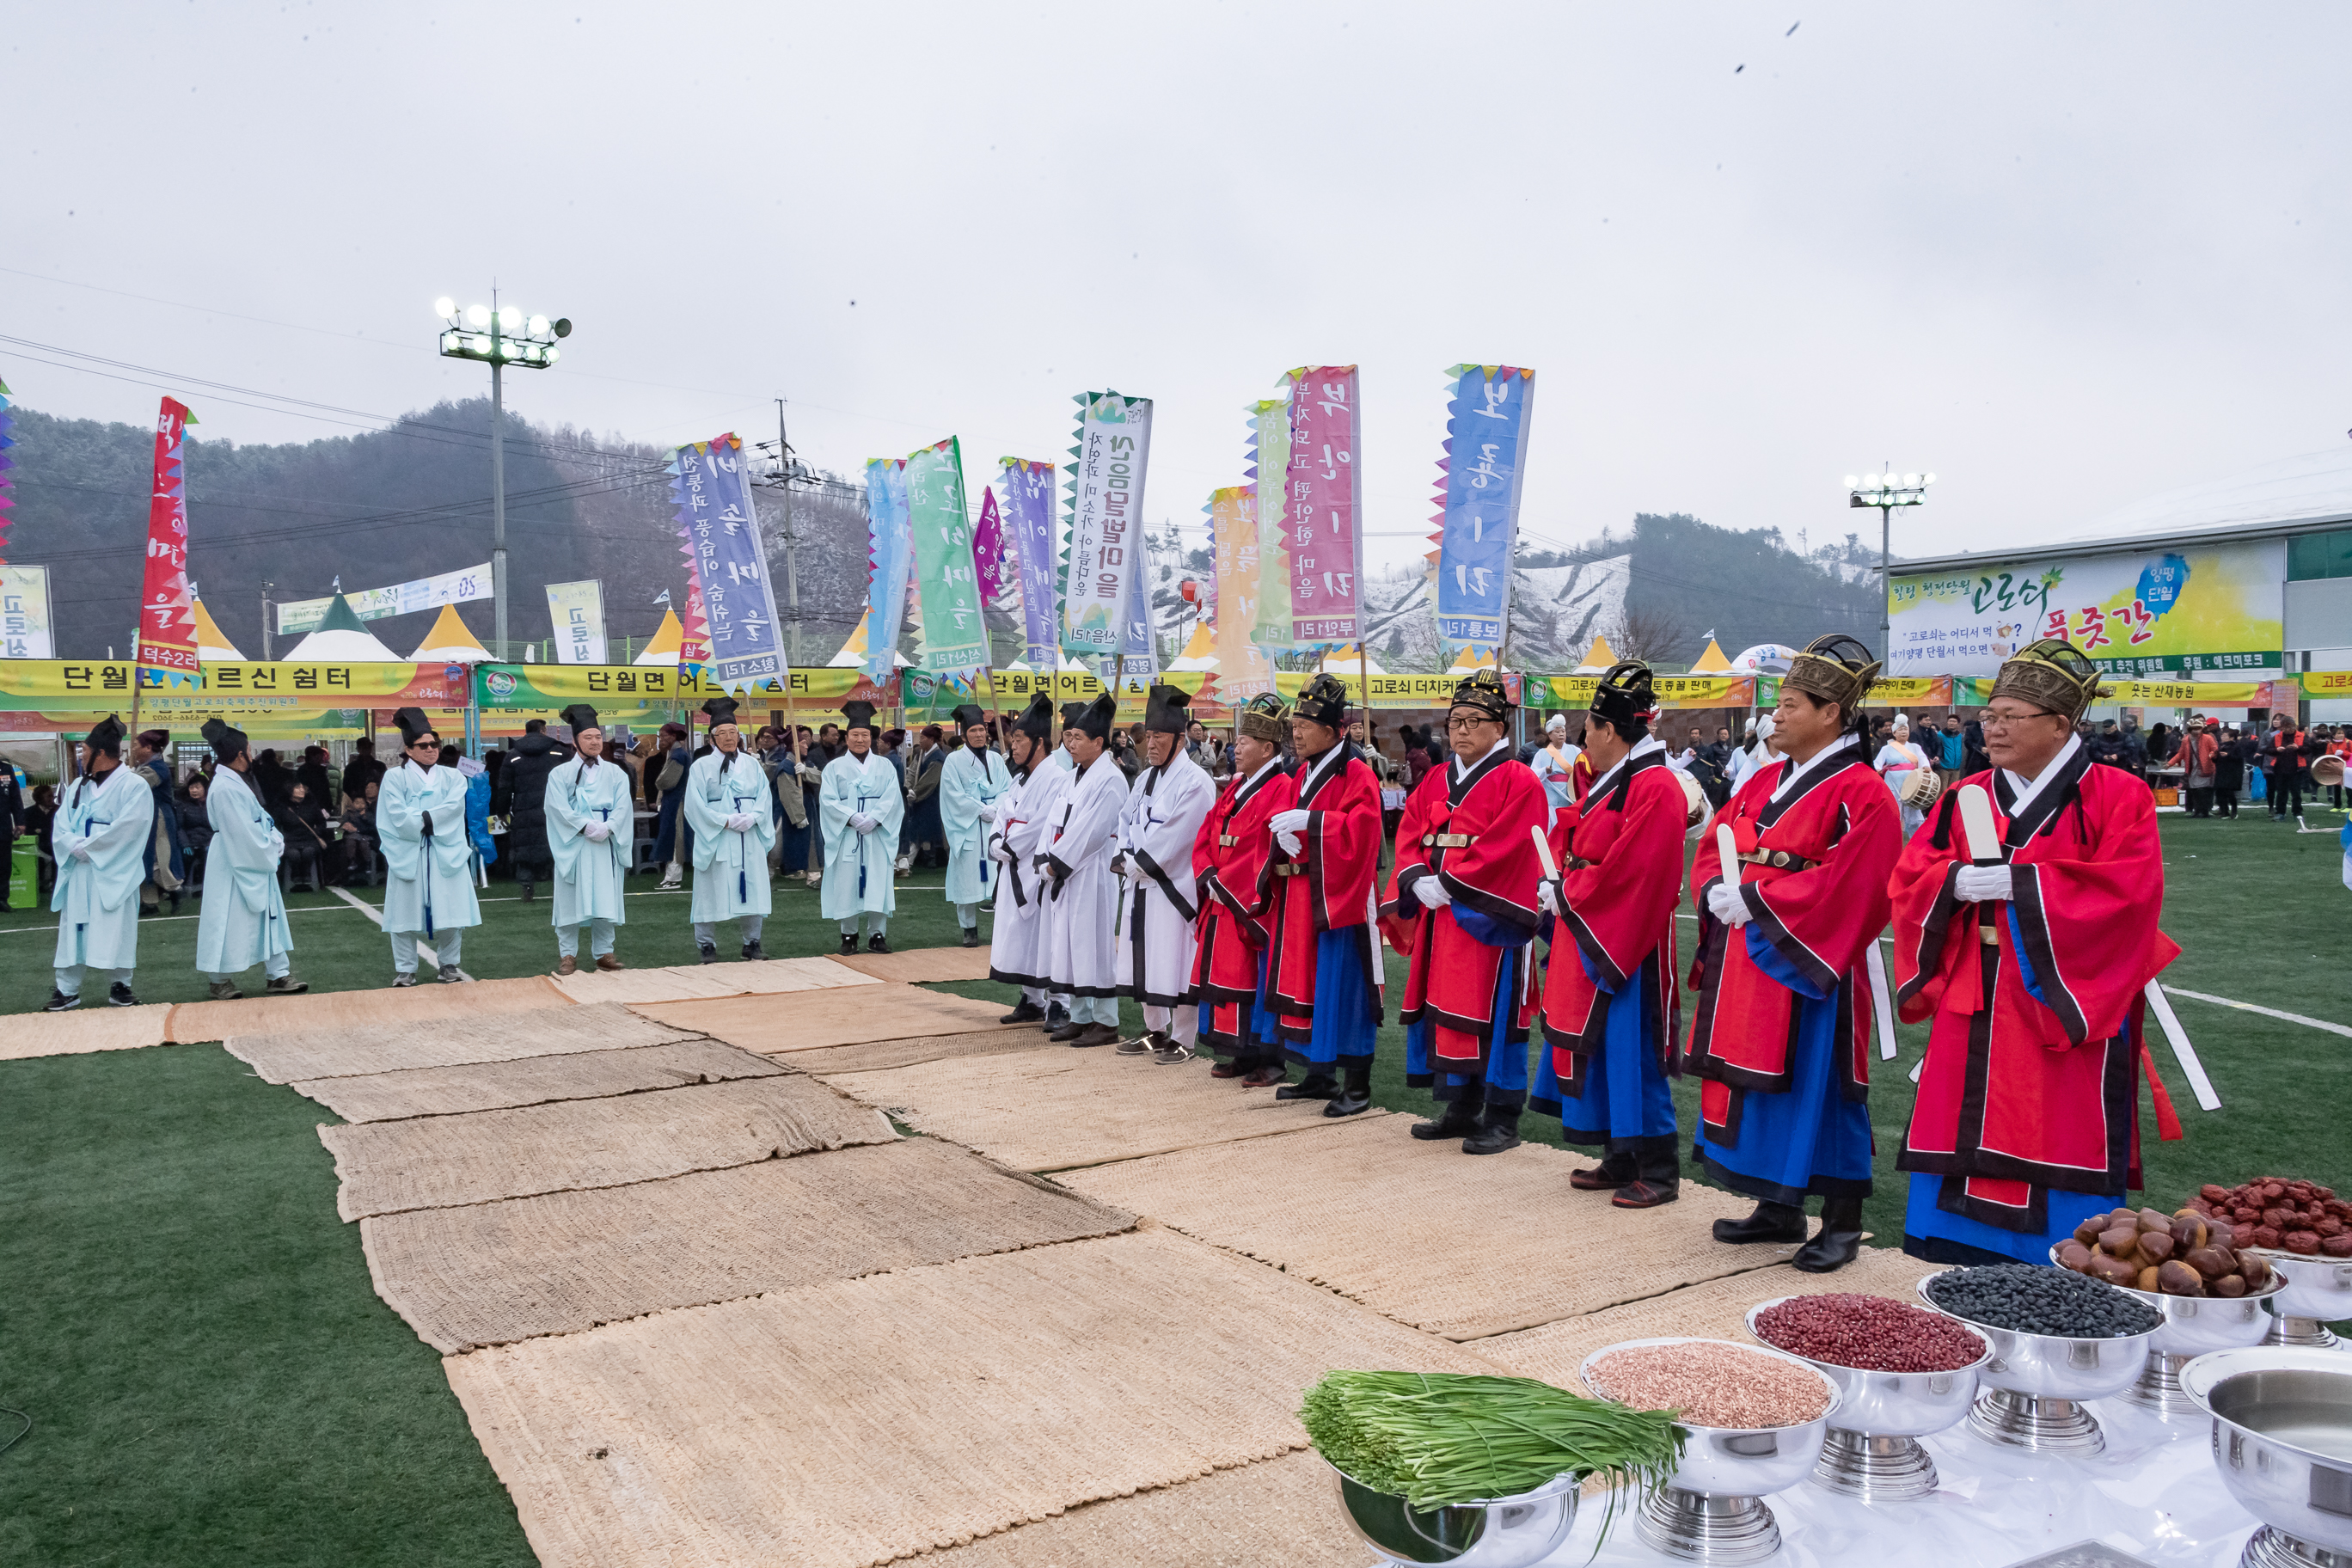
point(1264, 1022)
point(1808, 1138)
point(1347, 1018)
point(1930, 1232)
point(1506, 1060)
point(1626, 1098)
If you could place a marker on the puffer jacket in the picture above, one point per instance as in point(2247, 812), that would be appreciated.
point(524, 781)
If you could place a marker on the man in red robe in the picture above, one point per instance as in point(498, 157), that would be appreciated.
point(1323, 967)
point(1610, 1007)
point(2031, 966)
point(1781, 1036)
point(1462, 902)
point(1233, 871)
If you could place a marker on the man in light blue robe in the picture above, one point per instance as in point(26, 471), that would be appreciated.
point(590, 822)
point(861, 804)
point(99, 840)
point(974, 785)
point(243, 920)
point(420, 823)
point(728, 805)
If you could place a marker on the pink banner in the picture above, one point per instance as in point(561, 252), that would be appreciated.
point(167, 618)
point(1326, 541)
point(999, 572)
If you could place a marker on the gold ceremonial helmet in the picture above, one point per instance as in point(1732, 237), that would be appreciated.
point(1835, 669)
point(1263, 717)
point(2054, 675)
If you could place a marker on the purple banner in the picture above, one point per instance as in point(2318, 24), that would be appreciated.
point(712, 487)
point(1028, 524)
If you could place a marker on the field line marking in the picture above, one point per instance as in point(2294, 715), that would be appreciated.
point(2265, 1012)
point(369, 910)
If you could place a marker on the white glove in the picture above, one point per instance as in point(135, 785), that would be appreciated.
point(1291, 843)
point(1135, 871)
point(595, 832)
point(1000, 854)
point(1724, 902)
point(863, 821)
point(1432, 893)
point(1547, 898)
point(81, 852)
point(740, 822)
point(988, 814)
point(1983, 884)
point(1292, 822)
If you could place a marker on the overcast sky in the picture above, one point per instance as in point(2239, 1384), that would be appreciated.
point(2061, 255)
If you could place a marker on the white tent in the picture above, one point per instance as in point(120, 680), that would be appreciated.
point(341, 639)
point(853, 652)
point(1344, 664)
point(667, 645)
point(211, 647)
point(1199, 653)
point(450, 642)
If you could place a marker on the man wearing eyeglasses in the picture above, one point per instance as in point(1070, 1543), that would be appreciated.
point(420, 819)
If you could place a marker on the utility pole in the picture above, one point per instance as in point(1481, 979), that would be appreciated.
point(497, 479)
point(792, 536)
point(266, 653)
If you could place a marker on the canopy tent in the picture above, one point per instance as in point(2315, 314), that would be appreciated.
point(667, 645)
point(341, 639)
point(1597, 658)
point(1199, 653)
point(451, 643)
point(1067, 663)
point(1470, 660)
point(1340, 663)
point(1711, 661)
point(853, 652)
point(211, 647)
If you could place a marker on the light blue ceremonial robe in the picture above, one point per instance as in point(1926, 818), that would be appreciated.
point(968, 781)
point(730, 870)
point(859, 866)
point(242, 922)
point(97, 899)
point(431, 885)
point(588, 873)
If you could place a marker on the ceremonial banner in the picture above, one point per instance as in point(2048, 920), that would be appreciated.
point(1485, 441)
point(1320, 526)
point(1269, 466)
point(576, 610)
point(2319, 683)
point(1141, 649)
point(6, 463)
point(1573, 692)
point(889, 560)
point(25, 613)
point(1106, 519)
point(947, 584)
point(712, 487)
point(167, 617)
point(993, 558)
point(1242, 668)
point(462, 587)
point(552, 685)
point(1029, 532)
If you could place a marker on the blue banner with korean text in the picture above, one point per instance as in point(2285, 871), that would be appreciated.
point(712, 487)
point(889, 558)
point(1487, 435)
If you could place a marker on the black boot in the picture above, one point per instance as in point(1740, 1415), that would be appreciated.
point(971, 936)
point(1028, 1012)
point(1357, 1098)
point(1659, 1179)
point(1840, 1241)
point(1771, 1222)
point(1617, 1169)
point(1458, 1120)
point(1498, 1129)
point(1317, 1085)
point(849, 941)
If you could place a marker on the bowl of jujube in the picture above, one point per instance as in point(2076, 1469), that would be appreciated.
point(2282, 1213)
point(1903, 1370)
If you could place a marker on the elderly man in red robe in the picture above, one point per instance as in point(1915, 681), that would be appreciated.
point(1609, 1006)
point(2030, 958)
point(1781, 1036)
point(1462, 902)
point(1232, 874)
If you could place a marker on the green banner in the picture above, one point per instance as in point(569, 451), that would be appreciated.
point(947, 589)
point(1270, 452)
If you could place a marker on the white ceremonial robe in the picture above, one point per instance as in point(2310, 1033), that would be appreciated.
point(1082, 907)
point(730, 869)
point(1159, 909)
point(588, 874)
point(970, 779)
point(97, 899)
point(430, 888)
point(242, 922)
point(860, 867)
point(1016, 951)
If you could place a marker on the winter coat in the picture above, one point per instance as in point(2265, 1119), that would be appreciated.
point(524, 780)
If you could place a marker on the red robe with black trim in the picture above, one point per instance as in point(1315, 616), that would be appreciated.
point(1619, 854)
point(2022, 1094)
point(1232, 872)
point(1839, 831)
point(1327, 886)
point(1491, 871)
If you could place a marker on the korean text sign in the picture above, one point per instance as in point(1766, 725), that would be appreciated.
point(1486, 438)
point(1106, 521)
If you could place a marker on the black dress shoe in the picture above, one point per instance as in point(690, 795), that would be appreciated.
point(849, 944)
point(1068, 1032)
point(1315, 1086)
point(1093, 1034)
point(1829, 1251)
point(1349, 1102)
point(751, 950)
point(1456, 1121)
point(1028, 1012)
point(1776, 1223)
point(1228, 1069)
point(878, 942)
point(1265, 1076)
point(1497, 1130)
point(971, 936)
point(1616, 1170)
point(710, 952)
point(1646, 1194)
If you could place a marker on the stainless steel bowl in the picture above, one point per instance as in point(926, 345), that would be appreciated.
point(2033, 1387)
point(2318, 1293)
point(1501, 1532)
point(1872, 1451)
point(2193, 1326)
point(2282, 1441)
point(1711, 1509)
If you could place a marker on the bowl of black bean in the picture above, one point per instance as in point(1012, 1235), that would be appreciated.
point(2058, 1339)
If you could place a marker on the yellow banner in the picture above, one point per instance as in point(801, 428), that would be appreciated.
point(78, 684)
point(1575, 691)
point(2325, 682)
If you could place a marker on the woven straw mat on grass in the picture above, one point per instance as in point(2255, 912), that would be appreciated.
point(1716, 1311)
point(353, 1052)
point(374, 1011)
point(531, 1080)
point(86, 1028)
point(872, 1055)
point(437, 1161)
point(1426, 1234)
point(732, 978)
point(857, 1422)
point(1052, 1108)
point(919, 965)
point(770, 1025)
point(492, 1273)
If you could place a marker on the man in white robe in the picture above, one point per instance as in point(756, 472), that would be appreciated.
point(1016, 954)
point(1082, 895)
point(729, 806)
point(243, 920)
point(861, 805)
point(99, 840)
point(428, 886)
point(590, 821)
point(974, 785)
point(1160, 905)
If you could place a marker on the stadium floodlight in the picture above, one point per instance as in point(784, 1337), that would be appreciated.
point(445, 307)
point(1886, 490)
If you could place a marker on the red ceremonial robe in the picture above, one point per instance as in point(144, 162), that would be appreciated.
point(2037, 1005)
point(1619, 854)
point(1232, 872)
point(1327, 886)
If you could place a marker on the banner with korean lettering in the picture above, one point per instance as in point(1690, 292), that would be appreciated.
point(167, 616)
point(888, 562)
point(1485, 442)
point(467, 585)
point(1322, 529)
point(712, 487)
point(1269, 466)
point(576, 611)
point(25, 613)
point(947, 582)
point(1241, 667)
point(1141, 651)
point(1028, 490)
point(992, 556)
point(1106, 542)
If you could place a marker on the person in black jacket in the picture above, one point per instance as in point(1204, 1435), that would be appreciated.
point(524, 779)
point(195, 831)
point(308, 836)
point(12, 823)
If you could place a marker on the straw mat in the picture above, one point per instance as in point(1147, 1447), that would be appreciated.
point(531, 1080)
point(561, 1262)
point(390, 1046)
point(1054, 1108)
point(857, 1422)
point(919, 965)
point(881, 1012)
point(1716, 1309)
point(1460, 1246)
point(872, 1055)
point(92, 1026)
point(729, 978)
point(371, 1010)
point(437, 1161)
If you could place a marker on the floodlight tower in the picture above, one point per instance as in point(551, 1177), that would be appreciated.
point(498, 336)
point(1886, 491)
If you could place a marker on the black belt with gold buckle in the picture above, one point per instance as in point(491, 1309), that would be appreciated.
point(1778, 859)
point(1448, 840)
